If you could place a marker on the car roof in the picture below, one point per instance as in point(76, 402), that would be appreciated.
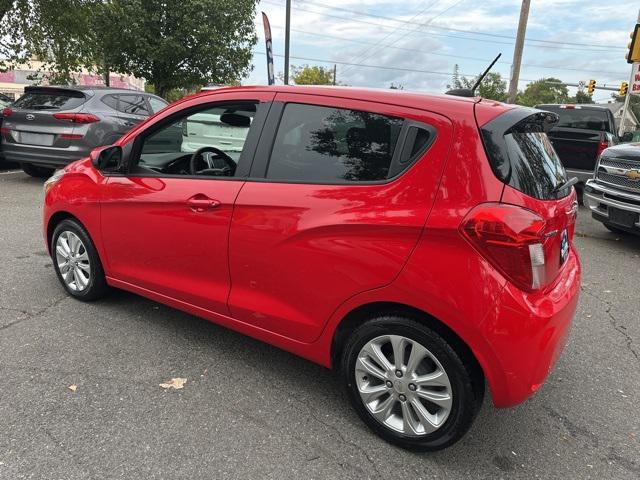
point(420, 100)
point(83, 88)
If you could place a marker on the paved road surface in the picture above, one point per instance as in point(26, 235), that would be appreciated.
point(249, 410)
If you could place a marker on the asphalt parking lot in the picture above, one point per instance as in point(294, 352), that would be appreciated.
point(250, 411)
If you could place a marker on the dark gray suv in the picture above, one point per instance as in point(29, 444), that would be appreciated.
point(52, 126)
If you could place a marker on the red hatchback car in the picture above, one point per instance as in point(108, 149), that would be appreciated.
point(420, 245)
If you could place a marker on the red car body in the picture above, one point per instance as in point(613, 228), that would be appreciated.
point(291, 263)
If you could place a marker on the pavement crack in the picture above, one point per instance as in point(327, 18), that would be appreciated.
point(614, 322)
point(29, 315)
point(340, 435)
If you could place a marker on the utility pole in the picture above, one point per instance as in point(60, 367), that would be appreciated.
point(334, 73)
point(627, 97)
point(287, 34)
point(517, 53)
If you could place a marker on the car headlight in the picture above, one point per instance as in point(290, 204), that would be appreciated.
point(52, 180)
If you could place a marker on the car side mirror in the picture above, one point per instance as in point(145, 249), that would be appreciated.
point(626, 137)
point(107, 159)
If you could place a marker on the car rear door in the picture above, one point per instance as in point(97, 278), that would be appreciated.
point(336, 202)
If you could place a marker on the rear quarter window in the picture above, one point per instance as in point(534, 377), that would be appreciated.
point(50, 100)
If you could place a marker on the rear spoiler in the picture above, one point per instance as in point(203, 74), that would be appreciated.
point(70, 91)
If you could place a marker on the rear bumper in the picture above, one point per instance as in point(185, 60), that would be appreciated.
point(528, 332)
point(600, 198)
point(45, 156)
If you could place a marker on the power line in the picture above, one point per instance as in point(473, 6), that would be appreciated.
point(359, 57)
point(380, 25)
point(474, 32)
point(386, 67)
point(408, 49)
point(429, 21)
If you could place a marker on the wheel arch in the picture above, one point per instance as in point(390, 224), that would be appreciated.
point(362, 313)
point(55, 219)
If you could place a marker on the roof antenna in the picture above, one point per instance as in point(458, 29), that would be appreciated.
point(471, 92)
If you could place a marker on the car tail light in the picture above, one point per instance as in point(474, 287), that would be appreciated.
point(70, 136)
point(4, 131)
point(602, 146)
point(512, 238)
point(77, 117)
point(6, 112)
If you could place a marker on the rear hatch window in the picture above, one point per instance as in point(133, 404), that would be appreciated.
point(521, 154)
point(50, 100)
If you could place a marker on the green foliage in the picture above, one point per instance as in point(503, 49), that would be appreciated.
point(492, 86)
point(172, 44)
point(181, 43)
point(396, 86)
point(545, 90)
point(581, 97)
point(312, 75)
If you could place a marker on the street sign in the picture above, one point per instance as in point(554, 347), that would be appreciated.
point(635, 75)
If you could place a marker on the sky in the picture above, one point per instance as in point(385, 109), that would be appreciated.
point(418, 42)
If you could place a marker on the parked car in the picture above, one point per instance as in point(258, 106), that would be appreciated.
point(207, 129)
point(613, 195)
point(49, 127)
point(581, 134)
point(419, 245)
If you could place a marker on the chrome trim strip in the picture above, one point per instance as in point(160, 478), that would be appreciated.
point(597, 185)
point(597, 199)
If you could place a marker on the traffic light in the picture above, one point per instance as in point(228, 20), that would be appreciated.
point(624, 86)
point(591, 86)
point(634, 46)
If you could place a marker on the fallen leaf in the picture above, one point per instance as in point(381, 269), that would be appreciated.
point(175, 383)
point(73, 388)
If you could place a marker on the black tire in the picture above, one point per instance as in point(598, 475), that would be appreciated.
point(466, 390)
point(613, 229)
point(97, 285)
point(35, 171)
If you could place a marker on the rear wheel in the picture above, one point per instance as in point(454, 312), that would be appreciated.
point(35, 171)
point(76, 261)
point(408, 384)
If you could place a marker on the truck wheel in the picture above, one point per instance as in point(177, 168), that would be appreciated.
point(35, 171)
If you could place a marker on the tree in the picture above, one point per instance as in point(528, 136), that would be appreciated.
point(312, 75)
point(581, 97)
point(181, 43)
point(545, 90)
point(172, 44)
point(396, 86)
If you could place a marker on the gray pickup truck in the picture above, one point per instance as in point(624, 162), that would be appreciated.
point(613, 194)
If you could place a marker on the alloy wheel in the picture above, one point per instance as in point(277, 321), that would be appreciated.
point(403, 385)
point(73, 261)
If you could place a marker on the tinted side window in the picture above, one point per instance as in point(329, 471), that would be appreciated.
point(133, 105)
point(110, 101)
point(323, 144)
point(156, 104)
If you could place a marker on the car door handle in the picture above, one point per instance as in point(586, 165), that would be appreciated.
point(200, 203)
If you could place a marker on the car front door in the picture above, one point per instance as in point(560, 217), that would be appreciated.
point(339, 194)
point(164, 225)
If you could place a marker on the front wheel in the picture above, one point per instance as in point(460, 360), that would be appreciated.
point(408, 384)
point(76, 261)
